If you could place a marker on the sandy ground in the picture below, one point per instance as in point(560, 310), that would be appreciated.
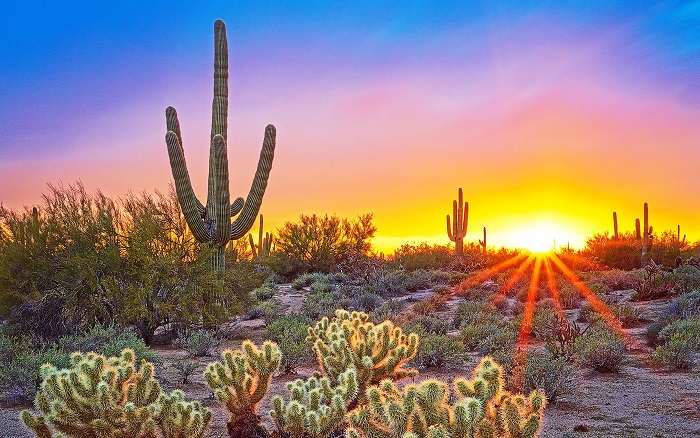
point(638, 402)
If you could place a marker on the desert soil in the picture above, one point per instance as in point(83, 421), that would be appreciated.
point(638, 402)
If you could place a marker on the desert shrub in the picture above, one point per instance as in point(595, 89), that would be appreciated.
point(198, 342)
point(561, 337)
point(439, 350)
point(617, 279)
point(429, 305)
point(600, 349)
point(255, 312)
point(438, 276)
point(686, 305)
point(318, 305)
point(306, 279)
point(542, 316)
point(428, 324)
point(423, 256)
point(622, 253)
point(19, 374)
point(185, 369)
point(501, 339)
point(110, 341)
point(654, 284)
point(386, 311)
point(553, 375)
point(419, 279)
point(367, 301)
point(264, 292)
point(680, 342)
point(390, 283)
point(321, 287)
point(684, 278)
point(322, 243)
point(628, 314)
point(474, 311)
point(289, 332)
point(569, 296)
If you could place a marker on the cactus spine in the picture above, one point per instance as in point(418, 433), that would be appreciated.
point(457, 230)
point(107, 397)
point(211, 223)
point(241, 381)
point(483, 242)
point(644, 237)
point(264, 246)
point(616, 236)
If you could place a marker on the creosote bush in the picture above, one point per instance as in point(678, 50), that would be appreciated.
point(680, 341)
point(601, 349)
point(289, 332)
point(198, 343)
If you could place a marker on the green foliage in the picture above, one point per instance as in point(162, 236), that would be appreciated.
point(320, 243)
point(622, 253)
point(240, 381)
point(289, 332)
point(428, 324)
point(100, 396)
point(684, 306)
point(482, 409)
point(306, 279)
point(96, 260)
point(439, 350)
point(685, 278)
point(600, 349)
point(185, 369)
point(552, 375)
point(389, 309)
point(198, 342)
point(680, 342)
point(366, 300)
point(264, 292)
point(423, 256)
point(561, 338)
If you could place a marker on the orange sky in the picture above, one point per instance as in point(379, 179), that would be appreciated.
point(549, 125)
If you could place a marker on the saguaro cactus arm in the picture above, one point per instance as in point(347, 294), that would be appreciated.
point(252, 204)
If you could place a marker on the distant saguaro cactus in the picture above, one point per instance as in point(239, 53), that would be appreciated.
point(262, 250)
point(457, 231)
point(644, 237)
point(483, 242)
point(615, 225)
point(211, 223)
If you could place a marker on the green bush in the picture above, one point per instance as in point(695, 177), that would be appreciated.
point(555, 376)
point(680, 342)
point(367, 301)
point(439, 350)
point(321, 287)
point(386, 311)
point(475, 330)
point(685, 278)
point(185, 369)
point(686, 305)
point(428, 324)
point(264, 292)
point(198, 342)
point(600, 349)
point(289, 332)
point(305, 280)
point(19, 377)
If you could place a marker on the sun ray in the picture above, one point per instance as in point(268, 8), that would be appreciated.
point(514, 277)
point(590, 296)
point(526, 324)
point(486, 273)
point(552, 286)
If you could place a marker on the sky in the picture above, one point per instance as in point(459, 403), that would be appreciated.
point(549, 115)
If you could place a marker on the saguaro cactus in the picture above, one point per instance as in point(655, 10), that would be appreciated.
point(644, 237)
point(262, 250)
point(483, 242)
point(457, 231)
point(211, 223)
point(616, 236)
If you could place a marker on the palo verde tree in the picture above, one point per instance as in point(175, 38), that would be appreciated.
point(210, 223)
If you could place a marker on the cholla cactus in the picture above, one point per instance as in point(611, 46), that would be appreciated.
point(316, 408)
point(211, 223)
point(107, 397)
point(377, 352)
point(484, 409)
point(458, 229)
point(241, 381)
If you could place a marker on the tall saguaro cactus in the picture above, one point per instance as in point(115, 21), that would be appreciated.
point(616, 236)
point(457, 230)
point(644, 238)
point(483, 242)
point(211, 222)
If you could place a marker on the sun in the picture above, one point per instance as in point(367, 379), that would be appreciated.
point(538, 237)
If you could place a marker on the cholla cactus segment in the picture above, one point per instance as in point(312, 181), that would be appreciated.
point(483, 409)
point(316, 408)
point(107, 397)
point(375, 351)
point(211, 222)
point(178, 418)
point(241, 381)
